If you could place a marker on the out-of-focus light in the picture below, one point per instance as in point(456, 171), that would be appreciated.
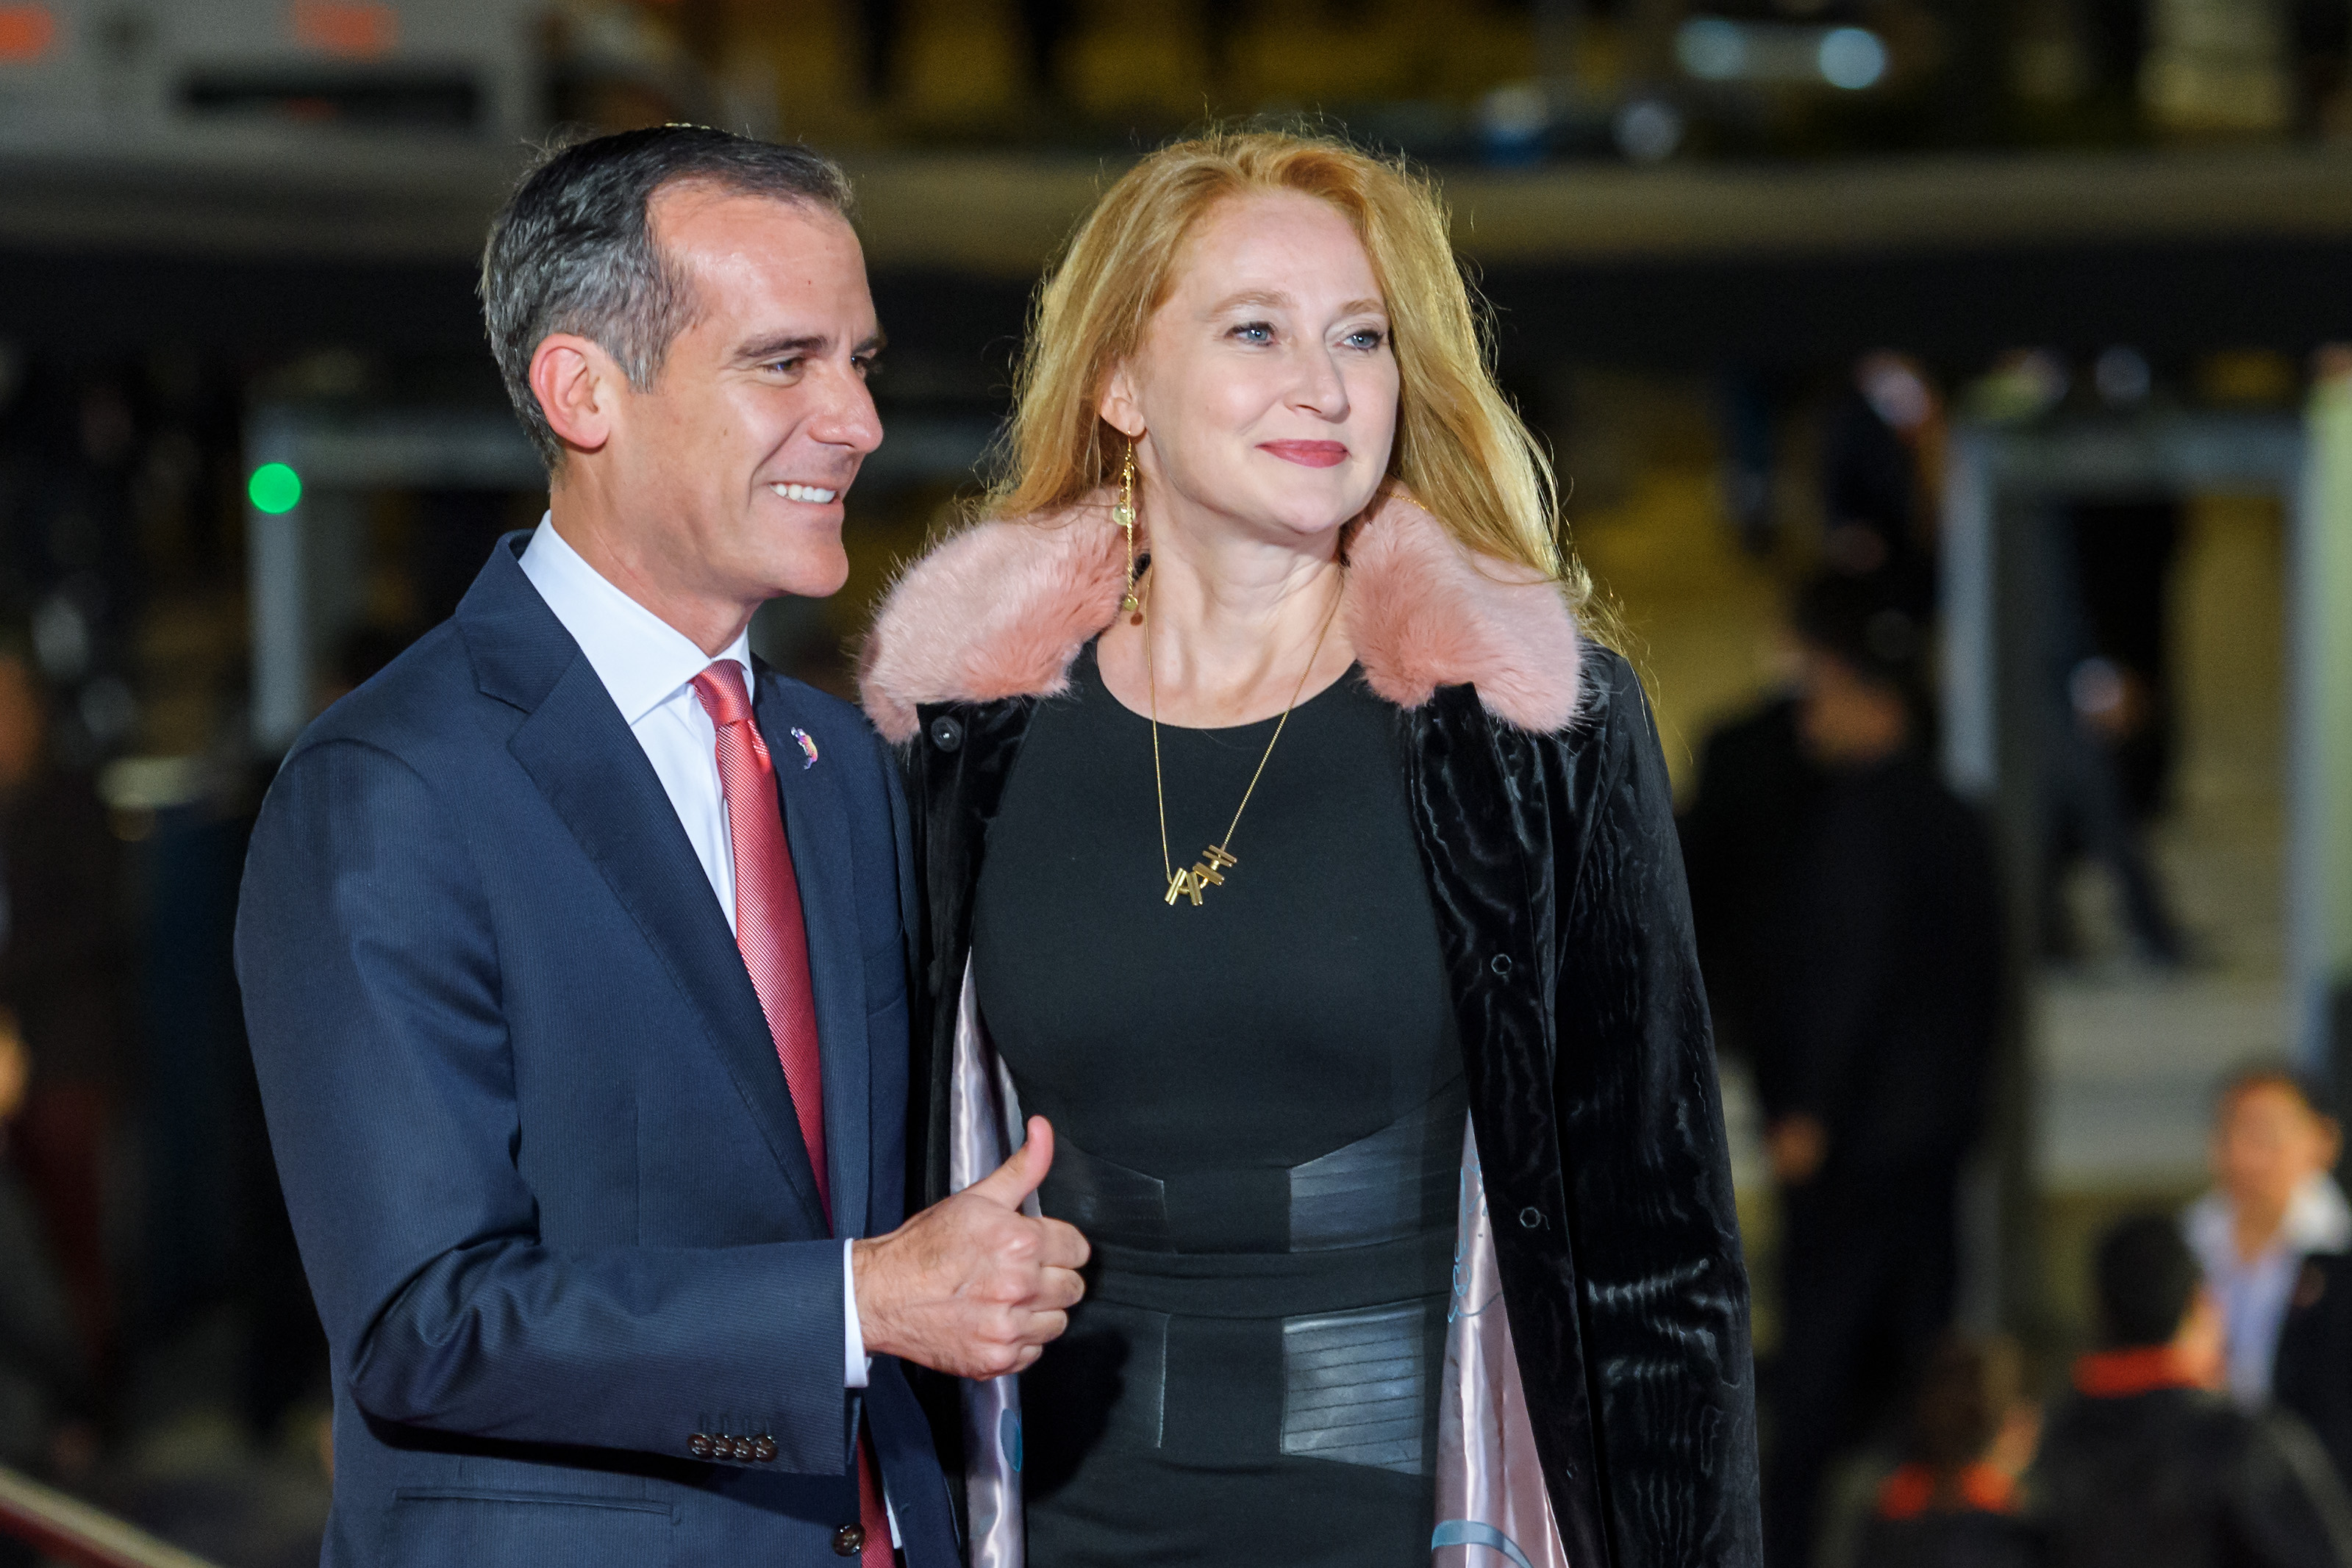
point(2123, 377)
point(1895, 391)
point(61, 640)
point(353, 29)
point(2096, 687)
point(1648, 130)
point(1789, 53)
point(2025, 383)
point(1513, 121)
point(27, 32)
point(274, 489)
point(1852, 58)
point(1517, 112)
point(1712, 48)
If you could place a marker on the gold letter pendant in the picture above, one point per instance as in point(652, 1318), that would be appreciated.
point(1203, 874)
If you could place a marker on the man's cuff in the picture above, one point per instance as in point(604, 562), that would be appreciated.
point(857, 1367)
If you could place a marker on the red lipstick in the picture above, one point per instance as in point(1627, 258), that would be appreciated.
point(1307, 454)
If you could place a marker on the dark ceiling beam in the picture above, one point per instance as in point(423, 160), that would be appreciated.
point(954, 332)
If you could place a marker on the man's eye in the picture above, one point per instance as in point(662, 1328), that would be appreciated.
point(785, 367)
point(868, 366)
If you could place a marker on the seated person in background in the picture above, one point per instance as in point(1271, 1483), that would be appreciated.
point(2147, 1466)
point(1953, 1504)
point(2272, 1205)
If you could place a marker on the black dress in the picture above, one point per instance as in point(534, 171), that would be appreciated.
point(1258, 1109)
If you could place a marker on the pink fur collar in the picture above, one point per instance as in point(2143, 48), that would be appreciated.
point(1002, 609)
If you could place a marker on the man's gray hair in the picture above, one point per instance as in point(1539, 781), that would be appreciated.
point(573, 250)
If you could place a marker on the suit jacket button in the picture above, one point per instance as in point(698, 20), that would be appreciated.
point(764, 1449)
point(946, 733)
point(743, 1451)
point(849, 1541)
point(698, 1445)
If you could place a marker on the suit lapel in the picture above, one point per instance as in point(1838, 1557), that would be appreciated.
point(594, 774)
point(816, 828)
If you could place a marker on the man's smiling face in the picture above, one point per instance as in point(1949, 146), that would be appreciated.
point(747, 441)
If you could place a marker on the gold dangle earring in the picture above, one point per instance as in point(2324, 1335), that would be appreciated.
point(1123, 514)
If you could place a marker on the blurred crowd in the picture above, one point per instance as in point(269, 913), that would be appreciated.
point(147, 1271)
point(1863, 941)
point(2207, 1425)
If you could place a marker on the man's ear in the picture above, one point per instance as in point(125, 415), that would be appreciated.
point(578, 387)
point(1117, 405)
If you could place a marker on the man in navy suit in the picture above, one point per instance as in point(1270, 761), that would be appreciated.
point(574, 951)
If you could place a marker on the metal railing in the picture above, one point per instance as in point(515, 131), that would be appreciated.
point(72, 1530)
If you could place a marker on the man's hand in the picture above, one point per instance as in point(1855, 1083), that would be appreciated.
point(972, 1286)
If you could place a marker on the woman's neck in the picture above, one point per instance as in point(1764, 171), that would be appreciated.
point(1233, 625)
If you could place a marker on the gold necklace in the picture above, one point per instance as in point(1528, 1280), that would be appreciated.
point(1218, 857)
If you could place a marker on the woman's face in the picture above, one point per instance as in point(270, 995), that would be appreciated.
point(1264, 392)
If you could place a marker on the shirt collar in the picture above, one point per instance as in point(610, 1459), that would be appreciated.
point(2317, 1218)
point(642, 660)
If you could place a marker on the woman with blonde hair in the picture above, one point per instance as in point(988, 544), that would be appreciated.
point(1289, 851)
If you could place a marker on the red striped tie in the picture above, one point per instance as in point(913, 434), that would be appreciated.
point(773, 938)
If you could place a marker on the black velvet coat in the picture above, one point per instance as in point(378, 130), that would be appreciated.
point(1557, 878)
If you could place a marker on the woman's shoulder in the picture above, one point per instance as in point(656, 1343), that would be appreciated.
point(1425, 612)
point(999, 609)
point(1610, 709)
point(1614, 697)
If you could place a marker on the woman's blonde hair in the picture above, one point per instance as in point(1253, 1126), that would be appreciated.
point(1461, 450)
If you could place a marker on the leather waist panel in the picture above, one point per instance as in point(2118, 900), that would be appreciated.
point(1356, 1386)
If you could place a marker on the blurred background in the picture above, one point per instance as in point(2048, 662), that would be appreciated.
point(1946, 380)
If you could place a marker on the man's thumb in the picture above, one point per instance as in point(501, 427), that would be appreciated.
point(1011, 1182)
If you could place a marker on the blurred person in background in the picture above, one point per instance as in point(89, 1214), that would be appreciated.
point(61, 975)
point(2089, 709)
point(1883, 981)
point(1882, 453)
point(1954, 1502)
point(2274, 1204)
point(2125, 553)
point(2311, 1375)
point(1755, 781)
point(43, 1370)
point(1343, 606)
point(2146, 1465)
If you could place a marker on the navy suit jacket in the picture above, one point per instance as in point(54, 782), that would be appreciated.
point(551, 1190)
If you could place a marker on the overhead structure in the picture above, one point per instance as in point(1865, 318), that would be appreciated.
point(245, 78)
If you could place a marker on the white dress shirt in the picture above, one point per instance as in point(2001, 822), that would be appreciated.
point(647, 666)
point(2254, 1295)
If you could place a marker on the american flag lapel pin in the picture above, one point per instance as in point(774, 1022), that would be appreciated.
point(808, 748)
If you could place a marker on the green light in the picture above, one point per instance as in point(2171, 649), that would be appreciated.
point(274, 487)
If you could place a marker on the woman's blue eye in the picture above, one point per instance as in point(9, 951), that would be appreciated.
point(1255, 333)
point(1367, 337)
